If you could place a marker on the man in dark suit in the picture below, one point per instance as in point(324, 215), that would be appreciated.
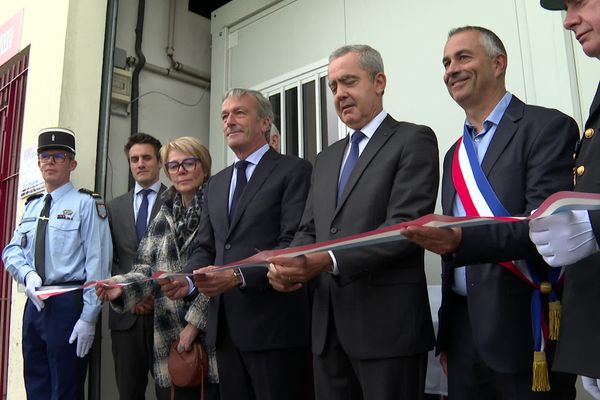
point(132, 332)
point(485, 332)
point(572, 238)
point(371, 326)
point(261, 335)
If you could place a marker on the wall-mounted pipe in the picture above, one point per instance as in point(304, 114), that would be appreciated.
point(135, 76)
point(170, 49)
point(169, 73)
point(110, 34)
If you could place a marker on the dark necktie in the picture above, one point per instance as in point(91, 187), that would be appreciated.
point(240, 184)
point(357, 136)
point(142, 218)
point(40, 238)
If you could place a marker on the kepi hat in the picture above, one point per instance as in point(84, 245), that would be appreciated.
point(56, 138)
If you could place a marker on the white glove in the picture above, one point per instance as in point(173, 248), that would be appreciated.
point(33, 282)
point(84, 333)
point(591, 386)
point(563, 238)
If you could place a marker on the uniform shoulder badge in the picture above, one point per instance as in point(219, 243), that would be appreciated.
point(90, 192)
point(100, 206)
point(33, 197)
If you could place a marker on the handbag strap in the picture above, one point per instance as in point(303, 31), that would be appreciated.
point(201, 390)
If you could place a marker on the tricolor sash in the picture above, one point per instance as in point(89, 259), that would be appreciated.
point(479, 199)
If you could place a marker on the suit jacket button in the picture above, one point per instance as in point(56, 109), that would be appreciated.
point(580, 170)
point(589, 133)
point(227, 246)
point(333, 230)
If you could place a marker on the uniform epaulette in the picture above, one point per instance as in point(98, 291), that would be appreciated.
point(90, 192)
point(100, 207)
point(33, 197)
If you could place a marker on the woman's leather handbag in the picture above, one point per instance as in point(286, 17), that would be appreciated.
point(189, 368)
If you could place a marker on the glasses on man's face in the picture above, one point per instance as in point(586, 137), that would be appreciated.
point(58, 158)
point(188, 164)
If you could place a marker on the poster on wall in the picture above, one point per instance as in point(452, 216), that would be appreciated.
point(30, 177)
point(10, 37)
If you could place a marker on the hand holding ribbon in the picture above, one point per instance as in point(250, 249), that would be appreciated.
point(563, 238)
point(32, 283)
point(106, 290)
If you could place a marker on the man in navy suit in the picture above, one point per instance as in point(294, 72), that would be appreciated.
point(261, 336)
point(371, 326)
point(132, 332)
point(524, 154)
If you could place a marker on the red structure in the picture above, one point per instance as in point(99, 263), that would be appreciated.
point(13, 78)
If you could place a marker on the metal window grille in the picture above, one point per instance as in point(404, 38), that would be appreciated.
point(304, 112)
point(13, 78)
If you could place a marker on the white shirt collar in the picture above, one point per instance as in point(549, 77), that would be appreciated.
point(370, 128)
point(155, 187)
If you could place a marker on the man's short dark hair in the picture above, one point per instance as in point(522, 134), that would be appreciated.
point(489, 40)
point(143, 138)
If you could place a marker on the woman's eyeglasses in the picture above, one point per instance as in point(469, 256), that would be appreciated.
point(188, 164)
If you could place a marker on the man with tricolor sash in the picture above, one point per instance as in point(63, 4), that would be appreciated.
point(572, 238)
point(494, 319)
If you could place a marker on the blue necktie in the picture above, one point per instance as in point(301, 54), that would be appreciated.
point(357, 136)
point(142, 217)
point(240, 184)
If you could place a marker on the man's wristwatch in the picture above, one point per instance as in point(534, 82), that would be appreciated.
point(192, 295)
point(237, 277)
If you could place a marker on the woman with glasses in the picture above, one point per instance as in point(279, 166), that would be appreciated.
point(168, 242)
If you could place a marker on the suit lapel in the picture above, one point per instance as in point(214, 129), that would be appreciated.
point(331, 176)
point(129, 215)
point(264, 168)
point(448, 190)
point(503, 135)
point(219, 197)
point(157, 202)
point(379, 138)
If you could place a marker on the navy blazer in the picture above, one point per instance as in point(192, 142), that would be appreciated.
point(379, 299)
point(528, 159)
point(266, 217)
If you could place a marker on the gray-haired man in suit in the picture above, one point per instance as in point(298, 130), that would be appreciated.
point(129, 215)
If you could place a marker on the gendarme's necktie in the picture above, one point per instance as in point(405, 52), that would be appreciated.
point(40, 238)
point(142, 218)
point(240, 184)
point(357, 136)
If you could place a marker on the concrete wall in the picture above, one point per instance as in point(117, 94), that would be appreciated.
point(185, 111)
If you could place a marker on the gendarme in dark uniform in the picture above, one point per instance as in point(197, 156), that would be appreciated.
point(578, 348)
point(63, 238)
